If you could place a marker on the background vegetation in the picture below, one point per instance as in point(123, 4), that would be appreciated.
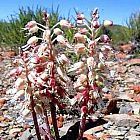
point(11, 35)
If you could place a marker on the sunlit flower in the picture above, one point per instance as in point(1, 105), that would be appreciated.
point(76, 66)
point(82, 30)
point(33, 40)
point(31, 24)
point(65, 23)
point(80, 38)
point(95, 24)
point(19, 83)
point(33, 29)
point(79, 48)
point(57, 31)
point(61, 39)
point(35, 59)
point(46, 35)
point(63, 59)
point(91, 63)
point(104, 38)
point(80, 16)
point(107, 23)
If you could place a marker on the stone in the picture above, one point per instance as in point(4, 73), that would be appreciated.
point(94, 130)
point(133, 137)
point(14, 130)
point(26, 135)
point(89, 137)
point(123, 120)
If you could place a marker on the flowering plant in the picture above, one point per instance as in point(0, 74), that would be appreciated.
point(44, 71)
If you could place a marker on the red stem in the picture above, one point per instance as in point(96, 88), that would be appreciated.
point(32, 103)
point(54, 121)
point(49, 136)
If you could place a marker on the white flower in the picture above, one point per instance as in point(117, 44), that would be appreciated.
point(46, 35)
point(61, 39)
point(76, 66)
point(33, 29)
point(57, 31)
point(64, 23)
point(32, 40)
point(19, 83)
point(95, 24)
point(19, 94)
point(91, 63)
point(80, 37)
point(79, 48)
point(31, 24)
point(62, 74)
point(107, 23)
point(63, 59)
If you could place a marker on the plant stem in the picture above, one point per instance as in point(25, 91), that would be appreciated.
point(34, 117)
point(49, 136)
point(54, 121)
point(82, 127)
point(32, 103)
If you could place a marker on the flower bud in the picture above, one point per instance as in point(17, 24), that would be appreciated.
point(91, 63)
point(35, 59)
point(104, 38)
point(79, 48)
point(95, 24)
point(19, 83)
point(61, 39)
point(80, 38)
point(46, 35)
point(65, 23)
point(57, 31)
point(33, 29)
point(107, 23)
point(30, 24)
point(44, 76)
point(63, 59)
point(80, 16)
point(33, 40)
point(76, 66)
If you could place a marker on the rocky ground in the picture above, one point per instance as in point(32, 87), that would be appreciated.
point(124, 96)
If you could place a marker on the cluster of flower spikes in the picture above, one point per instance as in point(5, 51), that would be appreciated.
point(47, 69)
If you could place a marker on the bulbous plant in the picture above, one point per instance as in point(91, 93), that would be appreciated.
point(44, 69)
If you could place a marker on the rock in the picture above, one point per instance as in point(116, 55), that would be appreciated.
point(116, 133)
point(2, 102)
point(89, 137)
point(133, 137)
point(26, 135)
point(9, 54)
point(124, 120)
point(125, 109)
point(94, 130)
